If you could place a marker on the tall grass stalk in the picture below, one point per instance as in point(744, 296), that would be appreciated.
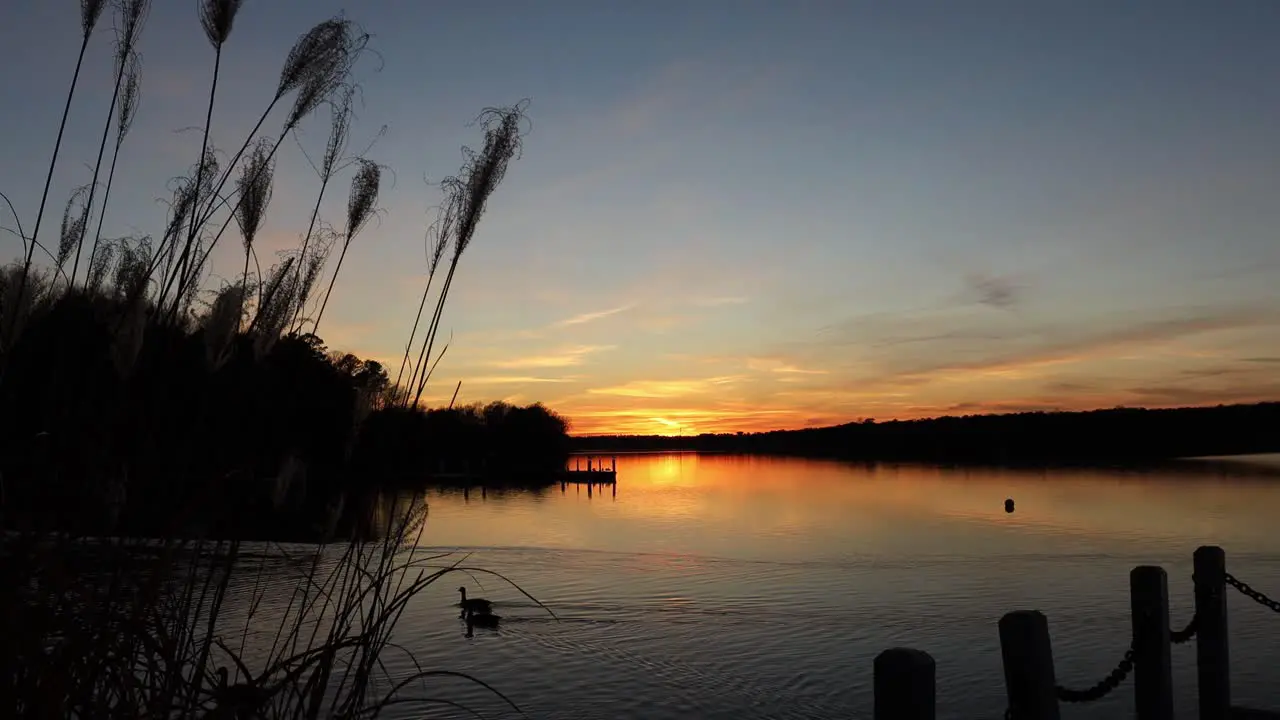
point(360, 207)
point(319, 64)
point(452, 208)
point(339, 130)
point(217, 17)
point(132, 13)
point(184, 204)
point(438, 235)
point(309, 49)
point(120, 627)
point(480, 176)
point(255, 187)
point(127, 95)
point(90, 12)
point(75, 217)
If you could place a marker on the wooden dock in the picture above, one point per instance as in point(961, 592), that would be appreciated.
point(593, 473)
point(904, 677)
point(578, 470)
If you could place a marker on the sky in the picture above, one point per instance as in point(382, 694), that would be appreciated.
point(744, 215)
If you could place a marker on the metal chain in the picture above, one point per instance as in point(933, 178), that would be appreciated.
point(1257, 596)
point(1178, 637)
point(1106, 685)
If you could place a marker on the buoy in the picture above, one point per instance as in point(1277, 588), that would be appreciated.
point(1008, 505)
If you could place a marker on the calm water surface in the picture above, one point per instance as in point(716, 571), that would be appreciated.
point(747, 587)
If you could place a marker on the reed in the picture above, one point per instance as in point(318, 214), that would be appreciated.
point(467, 196)
point(319, 63)
point(255, 187)
point(438, 234)
point(360, 207)
point(75, 218)
point(339, 130)
point(90, 12)
point(132, 14)
point(150, 410)
point(217, 17)
point(128, 102)
point(120, 627)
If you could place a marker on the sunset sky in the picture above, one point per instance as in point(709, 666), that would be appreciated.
point(743, 215)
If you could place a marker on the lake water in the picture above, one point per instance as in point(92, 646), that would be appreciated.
point(749, 587)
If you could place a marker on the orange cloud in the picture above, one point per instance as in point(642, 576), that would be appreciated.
point(592, 316)
point(513, 380)
point(564, 358)
point(665, 388)
point(672, 420)
point(775, 365)
point(926, 366)
point(718, 301)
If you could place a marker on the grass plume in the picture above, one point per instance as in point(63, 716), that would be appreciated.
point(217, 17)
point(254, 186)
point(173, 627)
point(360, 207)
point(469, 193)
point(75, 217)
point(339, 131)
point(90, 12)
point(132, 13)
point(319, 63)
point(130, 409)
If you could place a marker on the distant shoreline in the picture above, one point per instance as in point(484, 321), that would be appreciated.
point(1115, 436)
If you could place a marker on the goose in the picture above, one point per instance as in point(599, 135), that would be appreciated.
point(484, 620)
point(474, 604)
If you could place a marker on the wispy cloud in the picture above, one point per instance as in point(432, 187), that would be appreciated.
point(514, 380)
point(957, 345)
point(592, 316)
point(993, 291)
point(1129, 338)
point(775, 365)
point(666, 388)
point(719, 301)
point(566, 357)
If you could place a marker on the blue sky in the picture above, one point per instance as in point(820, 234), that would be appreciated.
point(740, 215)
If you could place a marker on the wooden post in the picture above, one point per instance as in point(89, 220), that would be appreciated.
point(904, 685)
point(1028, 665)
point(1212, 660)
point(1152, 672)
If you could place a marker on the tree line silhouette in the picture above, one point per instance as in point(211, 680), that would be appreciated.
point(171, 426)
point(1119, 435)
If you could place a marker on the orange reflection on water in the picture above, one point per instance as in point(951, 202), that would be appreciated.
point(749, 506)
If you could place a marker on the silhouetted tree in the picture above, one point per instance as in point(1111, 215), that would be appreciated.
point(1130, 435)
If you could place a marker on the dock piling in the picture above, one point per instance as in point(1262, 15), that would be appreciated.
point(1028, 665)
point(1152, 657)
point(904, 678)
point(904, 685)
point(1213, 667)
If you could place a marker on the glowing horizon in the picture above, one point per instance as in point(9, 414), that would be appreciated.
point(704, 237)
